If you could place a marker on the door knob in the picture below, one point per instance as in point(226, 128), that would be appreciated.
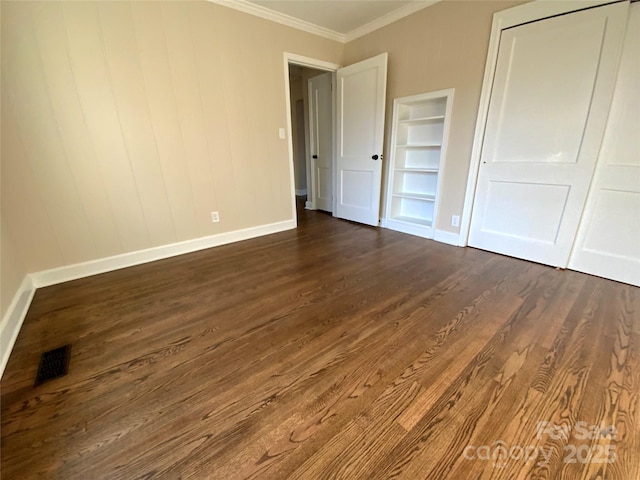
point(375, 157)
point(315, 156)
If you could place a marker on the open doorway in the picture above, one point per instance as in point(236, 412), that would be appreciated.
point(356, 110)
point(311, 103)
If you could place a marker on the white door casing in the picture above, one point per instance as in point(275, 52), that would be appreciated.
point(321, 145)
point(361, 91)
point(295, 59)
point(608, 241)
point(551, 92)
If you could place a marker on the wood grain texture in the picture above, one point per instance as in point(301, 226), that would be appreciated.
point(331, 351)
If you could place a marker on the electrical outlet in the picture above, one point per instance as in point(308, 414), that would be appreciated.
point(455, 220)
point(215, 217)
point(281, 133)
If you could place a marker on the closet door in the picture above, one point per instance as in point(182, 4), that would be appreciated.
point(608, 242)
point(551, 94)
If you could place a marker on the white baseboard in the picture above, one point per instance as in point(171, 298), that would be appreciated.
point(308, 205)
point(102, 265)
point(301, 192)
point(13, 319)
point(447, 237)
point(408, 227)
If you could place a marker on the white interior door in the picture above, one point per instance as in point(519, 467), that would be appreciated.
point(608, 242)
point(321, 145)
point(552, 90)
point(360, 131)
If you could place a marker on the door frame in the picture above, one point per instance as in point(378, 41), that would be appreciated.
point(529, 12)
point(302, 61)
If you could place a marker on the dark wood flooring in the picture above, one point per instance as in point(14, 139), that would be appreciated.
point(331, 351)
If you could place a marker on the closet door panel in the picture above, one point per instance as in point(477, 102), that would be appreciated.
point(608, 241)
point(550, 99)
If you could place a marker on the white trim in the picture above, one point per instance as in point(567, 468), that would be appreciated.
point(394, 16)
point(528, 12)
point(334, 142)
point(309, 62)
point(449, 238)
point(407, 227)
point(301, 192)
point(281, 18)
point(312, 28)
point(292, 58)
point(102, 265)
point(444, 150)
point(13, 319)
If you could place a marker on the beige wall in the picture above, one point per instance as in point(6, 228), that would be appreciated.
point(442, 46)
point(125, 124)
point(13, 270)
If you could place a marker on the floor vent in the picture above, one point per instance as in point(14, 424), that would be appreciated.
point(53, 364)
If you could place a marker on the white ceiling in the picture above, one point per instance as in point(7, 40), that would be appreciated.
point(341, 20)
point(341, 16)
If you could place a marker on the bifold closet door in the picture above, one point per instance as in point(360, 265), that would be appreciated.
point(608, 242)
point(550, 99)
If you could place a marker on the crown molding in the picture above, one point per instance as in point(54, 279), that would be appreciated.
point(390, 17)
point(283, 19)
point(288, 20)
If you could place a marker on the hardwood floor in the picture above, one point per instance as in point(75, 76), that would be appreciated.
point(331, 351)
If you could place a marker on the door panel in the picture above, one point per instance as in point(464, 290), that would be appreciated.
point(537, 60)
point(324, 188)
point(525, 223)
point(608, 242)
point(356, 189)
point(551, 94)
point(360, 132)
point(321, 147)
point(359, 103)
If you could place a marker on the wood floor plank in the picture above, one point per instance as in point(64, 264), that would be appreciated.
point(513, 382)
point(380, 435)
point(331, 351)
point(499, 383)
point(313, 378)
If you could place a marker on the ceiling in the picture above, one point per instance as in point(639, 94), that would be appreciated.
point(341, 16)
point(342, 20)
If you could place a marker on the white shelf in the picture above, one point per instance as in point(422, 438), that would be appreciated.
point(421, 145)
point(420, 221)
point(416, 196)
point(417, 170)
point(418, 147)
point(423, 120)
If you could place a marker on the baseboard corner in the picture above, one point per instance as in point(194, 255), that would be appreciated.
point(14, 318)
